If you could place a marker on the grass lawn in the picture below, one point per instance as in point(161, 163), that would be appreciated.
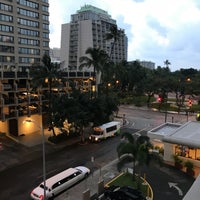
point(126, 179)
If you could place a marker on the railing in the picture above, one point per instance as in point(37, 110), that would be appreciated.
point(26, 75)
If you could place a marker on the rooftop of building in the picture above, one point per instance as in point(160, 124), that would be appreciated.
point(165, 129)
point(187, 134)
point(88, 7)
point(184, 134)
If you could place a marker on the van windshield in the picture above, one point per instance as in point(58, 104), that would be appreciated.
point(98, 133)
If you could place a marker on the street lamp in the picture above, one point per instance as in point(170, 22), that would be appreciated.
point(43, 152)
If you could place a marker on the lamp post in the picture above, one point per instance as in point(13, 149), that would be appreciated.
point(43, 152)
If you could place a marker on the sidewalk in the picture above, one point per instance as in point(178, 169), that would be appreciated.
point(105, 174)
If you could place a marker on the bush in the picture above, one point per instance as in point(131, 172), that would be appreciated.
point(189, 167)
point(61, 137)
point(178, 163)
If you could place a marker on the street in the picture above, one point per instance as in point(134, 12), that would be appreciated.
point(17, 182)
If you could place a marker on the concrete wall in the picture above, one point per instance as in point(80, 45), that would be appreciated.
point(4, 127)
point(29, 127)
point(169, 151)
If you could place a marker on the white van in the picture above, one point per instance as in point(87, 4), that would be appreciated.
point(104, 131)
point(60, 182)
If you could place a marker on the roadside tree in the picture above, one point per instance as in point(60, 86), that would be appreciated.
point(136, 151)
point(47, 75)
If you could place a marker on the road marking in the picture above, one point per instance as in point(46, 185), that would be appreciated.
point(176, 187)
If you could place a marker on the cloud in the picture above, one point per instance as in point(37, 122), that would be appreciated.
point(157, 30)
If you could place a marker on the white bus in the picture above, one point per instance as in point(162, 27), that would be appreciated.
point(104, 131)
point(60, 182)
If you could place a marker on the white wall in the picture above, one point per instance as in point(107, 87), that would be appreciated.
point(64, 51)
point(85, 39)
point(169, 150)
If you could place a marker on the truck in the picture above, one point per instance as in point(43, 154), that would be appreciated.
point(104, 131)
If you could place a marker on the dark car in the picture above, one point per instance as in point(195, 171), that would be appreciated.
point(123, 193)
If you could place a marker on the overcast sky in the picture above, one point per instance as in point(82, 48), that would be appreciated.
point(157, 29)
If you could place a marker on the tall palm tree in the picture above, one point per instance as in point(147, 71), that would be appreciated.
point(97, 58)
point(114, 35)
point(134, 150)
point(167, 63)
point(47, 73)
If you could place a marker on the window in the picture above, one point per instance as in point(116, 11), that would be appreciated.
point(45, 17)
point(29, 60)
point(6, 49)
point(6, 28)
point(45, 44)
point(56, 185)
point(45, 26)
point(6, 18)
point(7, 58)
point(45, 35)
point(29, 51)
point(112, 128)
point(28, 3)
point(45, 8)
point(46, 52)
point(28, 22)
point(6, 7)
point(188, 152)
point(27, 13)
point(6, 39)
point(29, 41)
point(28, 32)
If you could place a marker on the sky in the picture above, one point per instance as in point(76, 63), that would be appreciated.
point(157, 30)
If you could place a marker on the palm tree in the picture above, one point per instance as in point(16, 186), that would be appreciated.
point(114, 35)
point(167, 63)
point(135, 150)
point(48, 73)
point(97, 58)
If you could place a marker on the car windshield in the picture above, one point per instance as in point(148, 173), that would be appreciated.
point(42, 186)
point(97, 132)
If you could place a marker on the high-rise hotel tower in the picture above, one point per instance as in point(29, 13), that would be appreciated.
point(24, 33)
point(88, 28)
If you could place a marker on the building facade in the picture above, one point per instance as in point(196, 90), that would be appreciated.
point(147, 64)
point(18, 102)
point(55, 55)
point(182, 140)
point(24, 33)
point(88, 28)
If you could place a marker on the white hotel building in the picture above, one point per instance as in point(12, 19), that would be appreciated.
point(88, 28)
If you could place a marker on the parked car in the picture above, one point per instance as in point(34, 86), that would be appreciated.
point(60, 182)
point(123, 193)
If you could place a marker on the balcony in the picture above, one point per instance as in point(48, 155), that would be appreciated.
point(14, 75)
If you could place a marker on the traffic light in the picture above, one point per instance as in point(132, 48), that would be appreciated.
point(159, 99)
point(190, 102)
